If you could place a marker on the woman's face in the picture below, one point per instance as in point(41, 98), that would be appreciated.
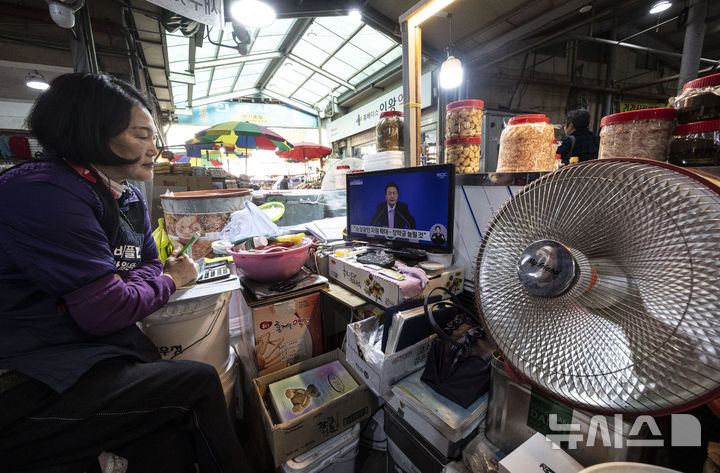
point(137, 141)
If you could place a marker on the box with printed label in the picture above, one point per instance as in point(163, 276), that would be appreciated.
point(381, 371)
point(289, 439)
point(386, 292)
point(282, 332)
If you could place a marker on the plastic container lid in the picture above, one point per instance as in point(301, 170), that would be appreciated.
point(391, 113)
point(537, 118)
point(342, 167)
point(707, 81)
point(697, 127)
point(463, 141)
point(647, 114)
point(465, 103)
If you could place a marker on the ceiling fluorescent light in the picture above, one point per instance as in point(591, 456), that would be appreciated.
point(252, 13)
point(660, 6)
point(37, 81)
point(417, 17)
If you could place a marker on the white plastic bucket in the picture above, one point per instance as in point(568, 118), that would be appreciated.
point(336, 455)
point(195, 329)
point(228, 377)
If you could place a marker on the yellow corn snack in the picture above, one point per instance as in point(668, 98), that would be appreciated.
point(295, 238)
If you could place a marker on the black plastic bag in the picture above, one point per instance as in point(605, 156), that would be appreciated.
point(459, 362)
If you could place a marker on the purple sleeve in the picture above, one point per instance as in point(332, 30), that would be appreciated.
point(144, 271)
point(50, 230)
point(110, 304)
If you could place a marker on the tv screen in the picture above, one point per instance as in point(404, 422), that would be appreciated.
point(407, 207)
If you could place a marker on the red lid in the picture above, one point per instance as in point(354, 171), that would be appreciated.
point(357, 170)
point(464, 103)
point(463, 141)
point(707, 81)
point(537, 118)
point(391, 113)
point(342, 167)
point(554, 141)
point(647, 114)
point(558, 156)
point(697, 127)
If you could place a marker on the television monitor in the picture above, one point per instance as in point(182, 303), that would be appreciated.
point(406, 207)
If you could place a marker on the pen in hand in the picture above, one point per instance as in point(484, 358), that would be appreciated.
point(189, 244)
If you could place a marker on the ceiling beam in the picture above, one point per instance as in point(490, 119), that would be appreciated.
point(331, 55)
point(235, 60)
point(292, 38)
point(223, 97)
point(314, 68)
point(524, 30)
point(181, 78)
point(369, 82)
point(292, 102)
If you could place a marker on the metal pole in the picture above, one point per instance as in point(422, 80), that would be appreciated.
point(692, 46)
point(411, 38)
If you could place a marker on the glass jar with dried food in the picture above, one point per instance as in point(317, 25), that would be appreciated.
point(638, 134)
point(699, 100)
point(696, 144)
point(389, 131)
point(463, 119)
point(526, 145)
point(464, 153)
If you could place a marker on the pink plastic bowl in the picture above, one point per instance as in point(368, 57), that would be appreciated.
point(274, 266)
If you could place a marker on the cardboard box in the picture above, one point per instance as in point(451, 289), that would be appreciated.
point(282, 331)
point(539, 454)
point(384, 291)
point(289, 439)
point(381, 376)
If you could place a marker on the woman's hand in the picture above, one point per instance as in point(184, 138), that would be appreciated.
point(181, 269)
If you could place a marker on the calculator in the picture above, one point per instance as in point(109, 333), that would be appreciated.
point(213, 274)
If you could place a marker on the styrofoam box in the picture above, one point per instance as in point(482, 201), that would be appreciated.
point(337, 455)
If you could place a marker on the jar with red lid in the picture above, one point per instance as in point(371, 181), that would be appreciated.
point(696, 144)
point(526, 145)
point(699, 100)
point(389, 131)
point(642, 134)
point(340, 172)
point(464, 153)
point(463, 119)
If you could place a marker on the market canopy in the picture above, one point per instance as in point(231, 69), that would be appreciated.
point(303, 152)
point(232, 135)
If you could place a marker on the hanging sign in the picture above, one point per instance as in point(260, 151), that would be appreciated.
point(366, 116)
point(632, 106)
point(265, 114)
point(209, 12)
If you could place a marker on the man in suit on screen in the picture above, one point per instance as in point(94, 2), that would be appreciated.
point(392, 213)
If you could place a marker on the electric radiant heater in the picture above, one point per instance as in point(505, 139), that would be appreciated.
point(600, 284)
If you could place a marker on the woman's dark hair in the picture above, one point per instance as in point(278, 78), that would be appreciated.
point(76, 117)
point(580, 118)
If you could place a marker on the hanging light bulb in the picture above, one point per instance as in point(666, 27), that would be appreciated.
point(451, 73)
point(660, 6)
point(37, 81)
point(253, 13)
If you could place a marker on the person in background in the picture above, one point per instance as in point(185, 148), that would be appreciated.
point(284, 183)
point(579, 140)
point(392, 213)
point(79, 382)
